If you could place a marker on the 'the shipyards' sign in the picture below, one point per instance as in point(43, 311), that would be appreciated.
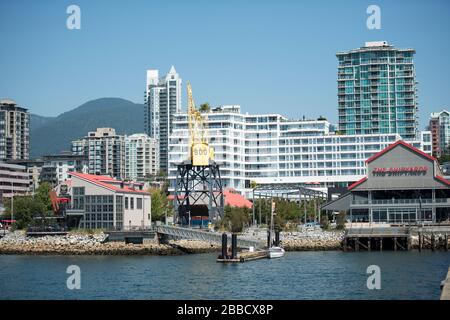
point(400, 171)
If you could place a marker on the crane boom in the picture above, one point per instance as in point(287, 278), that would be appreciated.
point(200, 152)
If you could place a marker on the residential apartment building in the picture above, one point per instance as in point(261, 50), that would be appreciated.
point(141, 156)
point(377, 91)
point(440, 132)
point(163, 100)
point(273, 149)
point(57, 167)
point(104, 151)
point(34, 169)
point(14, 180)
point(14, 131)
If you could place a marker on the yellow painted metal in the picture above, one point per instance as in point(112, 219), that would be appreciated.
point(200, 152)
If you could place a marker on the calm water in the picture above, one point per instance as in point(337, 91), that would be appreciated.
point(299, 275)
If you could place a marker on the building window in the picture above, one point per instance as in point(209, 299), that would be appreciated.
point(126, 203)
point(139, 203)
point(132, 203)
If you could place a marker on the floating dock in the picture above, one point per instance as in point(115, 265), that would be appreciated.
point(245, 256)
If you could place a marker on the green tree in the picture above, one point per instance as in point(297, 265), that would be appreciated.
point(253, 184)
point(161, 206)
point(235, 219)
point(205, 107)
point(26, 209)
point(42, 195)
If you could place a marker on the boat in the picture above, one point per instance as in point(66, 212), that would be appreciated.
point(276, 252)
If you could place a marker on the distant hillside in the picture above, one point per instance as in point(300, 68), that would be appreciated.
point(52, 135)
point(39, 121)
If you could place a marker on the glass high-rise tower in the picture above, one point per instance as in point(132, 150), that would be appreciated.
point(377, 90)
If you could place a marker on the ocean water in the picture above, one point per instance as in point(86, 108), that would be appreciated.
point(298, 275)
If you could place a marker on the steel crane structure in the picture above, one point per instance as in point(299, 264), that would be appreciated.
point(198, 191)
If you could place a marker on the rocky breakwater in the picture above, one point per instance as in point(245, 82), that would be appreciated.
point(79, 244)
point(312, 241)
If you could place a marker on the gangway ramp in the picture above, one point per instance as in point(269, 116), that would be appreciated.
point(197, 234)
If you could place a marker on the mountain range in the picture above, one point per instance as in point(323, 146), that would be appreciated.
point(50, 135)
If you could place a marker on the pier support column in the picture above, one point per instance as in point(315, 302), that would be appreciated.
point(420, 241)
point(381, 244)
point(446, 242)
point(433, 242)
point(395, 243)
point(368, 244)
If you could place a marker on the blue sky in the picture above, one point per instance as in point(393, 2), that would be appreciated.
point(267, 56)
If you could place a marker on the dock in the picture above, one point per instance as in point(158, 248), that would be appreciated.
point(377, 239)
point(445, 294)
point(246, 256)
point(401, 238)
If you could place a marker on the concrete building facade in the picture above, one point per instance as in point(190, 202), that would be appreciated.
point(14, 180)
point(57, 167)
point(270, 148)
point(141, 156)
point(162, 100)
point(104, 151)
point(14, 131)
point(440, 132)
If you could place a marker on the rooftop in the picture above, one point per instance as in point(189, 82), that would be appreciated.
point(110, 183)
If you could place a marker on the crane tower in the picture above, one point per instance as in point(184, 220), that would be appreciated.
point(198, 190)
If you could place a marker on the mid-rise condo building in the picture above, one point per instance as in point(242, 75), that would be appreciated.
point(270, 148)
point(104, 151)
point(440, 132)
point(141, 156)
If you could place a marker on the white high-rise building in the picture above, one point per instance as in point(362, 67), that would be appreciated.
point(270, 149)
point(141, 156)
point(163, 100)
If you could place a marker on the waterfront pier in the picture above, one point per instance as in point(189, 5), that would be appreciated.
point(377, 239)
point(371, 238)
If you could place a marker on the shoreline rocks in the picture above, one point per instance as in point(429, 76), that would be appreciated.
point(94, 244)
point(312, 241)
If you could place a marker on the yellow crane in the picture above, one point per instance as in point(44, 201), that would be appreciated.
point(200, 152)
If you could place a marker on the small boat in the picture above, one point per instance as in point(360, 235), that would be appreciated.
point(276, 252)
